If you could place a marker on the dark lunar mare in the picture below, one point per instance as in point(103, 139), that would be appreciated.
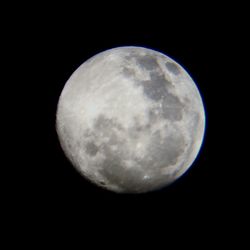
point(147, 62)
point(91, 148)
point(156, 88)
point(172, 67)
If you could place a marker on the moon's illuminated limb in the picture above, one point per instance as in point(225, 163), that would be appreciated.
point(131, 119)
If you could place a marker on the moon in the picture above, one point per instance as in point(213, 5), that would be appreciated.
point(131, 120)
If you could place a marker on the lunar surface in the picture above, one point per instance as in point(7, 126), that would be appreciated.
point(131, 120)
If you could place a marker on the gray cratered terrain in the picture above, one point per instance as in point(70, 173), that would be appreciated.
point(131, 120)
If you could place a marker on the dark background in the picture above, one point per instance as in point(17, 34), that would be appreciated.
point(45, 46)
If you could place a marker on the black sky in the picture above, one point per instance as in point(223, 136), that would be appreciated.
point(46, 45)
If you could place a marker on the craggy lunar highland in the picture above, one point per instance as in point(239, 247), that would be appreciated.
point(131, 120)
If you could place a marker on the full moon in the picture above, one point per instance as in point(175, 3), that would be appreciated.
point(131, 120)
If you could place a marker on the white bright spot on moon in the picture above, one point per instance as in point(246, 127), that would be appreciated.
point(131, 119)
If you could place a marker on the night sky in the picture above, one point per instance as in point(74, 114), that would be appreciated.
point(47, 45)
